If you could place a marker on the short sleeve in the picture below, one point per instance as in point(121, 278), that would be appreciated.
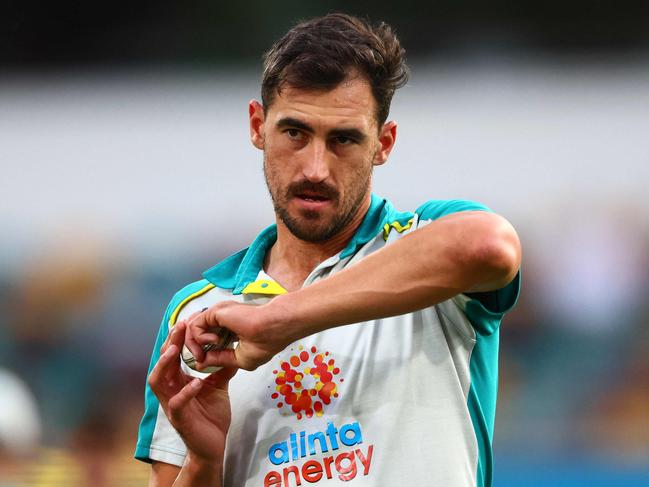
point(484, 310)
point(157, 438)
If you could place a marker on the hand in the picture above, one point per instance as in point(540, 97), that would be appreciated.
point(259, 337)
point(198, 409)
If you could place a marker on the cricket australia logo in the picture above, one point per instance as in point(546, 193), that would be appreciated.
point(306, 383)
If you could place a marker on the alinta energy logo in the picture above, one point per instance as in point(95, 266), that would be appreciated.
point(306, 383)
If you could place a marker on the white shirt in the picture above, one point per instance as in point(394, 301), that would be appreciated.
point(403, 400)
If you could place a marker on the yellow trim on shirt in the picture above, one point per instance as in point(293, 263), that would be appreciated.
point(200, 292)
point(264, 286)
point(397, 226)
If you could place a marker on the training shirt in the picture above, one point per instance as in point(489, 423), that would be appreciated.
point(405, 400)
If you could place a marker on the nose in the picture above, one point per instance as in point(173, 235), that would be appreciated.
point(316, 166)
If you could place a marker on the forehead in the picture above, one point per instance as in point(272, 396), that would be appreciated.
point(351, 103)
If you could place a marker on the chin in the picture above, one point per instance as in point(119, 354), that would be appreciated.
point(313, 231)
point(308, 216)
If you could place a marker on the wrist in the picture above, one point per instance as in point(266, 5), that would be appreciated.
point(278, 320)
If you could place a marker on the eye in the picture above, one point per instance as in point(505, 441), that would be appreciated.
point(342, 140)
point(294, 134)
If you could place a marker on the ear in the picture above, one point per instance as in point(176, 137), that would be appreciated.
point(387, 138)
point(256, 116)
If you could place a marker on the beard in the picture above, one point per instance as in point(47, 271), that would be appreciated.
point(313, 226)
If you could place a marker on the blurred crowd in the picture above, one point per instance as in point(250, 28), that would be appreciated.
point(96, 136)
point(575, 352)
point(79, 323)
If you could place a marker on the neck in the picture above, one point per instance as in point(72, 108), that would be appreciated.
point(291, 260)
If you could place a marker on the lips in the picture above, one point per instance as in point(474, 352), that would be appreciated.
point(312, 202)
point(313, 197)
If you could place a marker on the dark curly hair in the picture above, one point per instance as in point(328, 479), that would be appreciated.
point(321, 53)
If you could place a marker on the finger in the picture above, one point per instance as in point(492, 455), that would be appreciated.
point(207, 338)
point(159, 377)
point(221, 378)
point(178, 402)
point(195, 348)
point(178, 334)
point(218, 336)
point(195, 314)
point(202, 320)
point(222, 358)
point(165, 344)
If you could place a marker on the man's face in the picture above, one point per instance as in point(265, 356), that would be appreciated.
point(319, 151)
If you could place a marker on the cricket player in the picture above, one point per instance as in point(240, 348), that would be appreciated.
point(366, 338)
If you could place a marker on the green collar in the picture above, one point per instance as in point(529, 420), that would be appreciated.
point(242, 268)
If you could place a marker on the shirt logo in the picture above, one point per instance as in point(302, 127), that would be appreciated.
point(305, 383)
point(342, 456)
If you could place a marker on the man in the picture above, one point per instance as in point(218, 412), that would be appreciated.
point(370, 353)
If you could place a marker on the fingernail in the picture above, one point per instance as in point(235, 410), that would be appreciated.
point(196, 383)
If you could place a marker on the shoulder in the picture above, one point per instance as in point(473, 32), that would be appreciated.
point(184, 295)
point(190, 290)
point(404, 221)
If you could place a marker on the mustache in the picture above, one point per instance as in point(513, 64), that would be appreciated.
point(321, 189)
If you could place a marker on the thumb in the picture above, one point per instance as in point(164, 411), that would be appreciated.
point(249, 357)
point(178, 402)
point(220, 378)
point(224, 357)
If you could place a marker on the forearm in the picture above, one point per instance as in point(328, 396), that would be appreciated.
point(469, 252)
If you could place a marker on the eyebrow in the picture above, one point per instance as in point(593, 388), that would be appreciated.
point(351, 133)
point(294, 123)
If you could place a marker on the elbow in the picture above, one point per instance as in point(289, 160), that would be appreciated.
point(496, 254)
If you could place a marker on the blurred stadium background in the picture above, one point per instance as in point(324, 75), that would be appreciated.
point(126, 171)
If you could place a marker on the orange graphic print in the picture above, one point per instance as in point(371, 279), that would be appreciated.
point(305, 383)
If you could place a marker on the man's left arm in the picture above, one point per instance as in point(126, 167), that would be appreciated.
point(468, 251)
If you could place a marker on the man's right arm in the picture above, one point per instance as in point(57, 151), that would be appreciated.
point(163, 474)
point(199, 410)
point(193, 473)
